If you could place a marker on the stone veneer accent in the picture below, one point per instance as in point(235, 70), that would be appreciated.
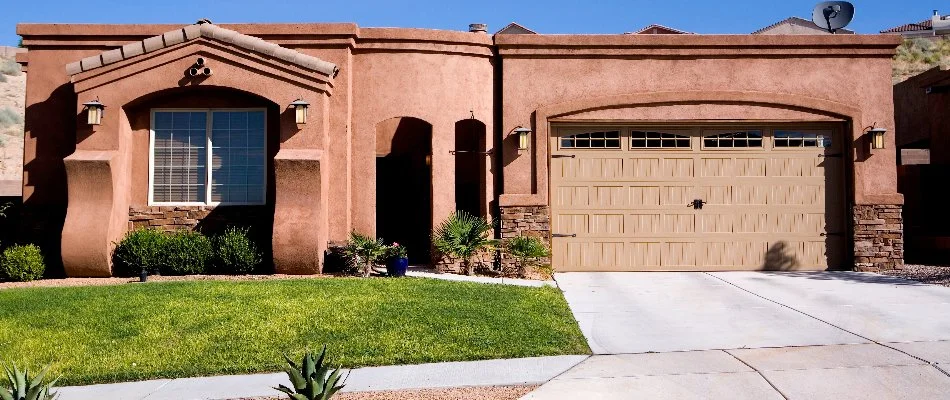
point(172, 218)
point(525, 221)
point(878, 237)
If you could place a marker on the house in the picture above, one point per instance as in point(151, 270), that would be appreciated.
point(515, 28)
point(937, 26)
point(922, 118)
point(798, 26)
point(657, 29)
point(627, 152)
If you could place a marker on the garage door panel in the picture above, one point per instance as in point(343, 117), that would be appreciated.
point(766, 207)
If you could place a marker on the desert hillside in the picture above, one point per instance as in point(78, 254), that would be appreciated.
point(918, 55)
point(12, 89)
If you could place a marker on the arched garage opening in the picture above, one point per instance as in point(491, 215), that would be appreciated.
point(404, 185)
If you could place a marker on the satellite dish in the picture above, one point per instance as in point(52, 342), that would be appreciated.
point(832, 15)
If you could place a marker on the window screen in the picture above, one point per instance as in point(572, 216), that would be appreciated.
point(180, 157)
point(649, 140)
point(801, 139)
point(592, 140)
point(734, 139)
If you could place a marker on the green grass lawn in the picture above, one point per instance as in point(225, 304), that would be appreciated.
point(180, 329)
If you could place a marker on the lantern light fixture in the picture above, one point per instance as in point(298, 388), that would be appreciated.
point(523, 136)
point(877, 137)
point(94, 111)
point(300, 111)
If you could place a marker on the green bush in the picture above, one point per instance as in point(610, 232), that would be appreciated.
point(186, 253)
point(364, 251)
point(235, 252)
point(22, 263)
point(526, 250)
point(9, 117)
point(140, 249)
point(464, 236)
point(10, 67)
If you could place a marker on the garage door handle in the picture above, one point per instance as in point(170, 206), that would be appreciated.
point(562, 156)
point(563, 235)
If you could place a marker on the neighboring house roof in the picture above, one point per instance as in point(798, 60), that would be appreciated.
point(203, 29)
point(797, 22)
point(657, 29)
point(924, 25)
point(516, 29)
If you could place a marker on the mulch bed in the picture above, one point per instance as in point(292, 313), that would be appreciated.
point(466, 393)
point(932, 274)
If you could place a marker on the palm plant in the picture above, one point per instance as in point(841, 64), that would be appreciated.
point(464, 236)
point(311, 379)
point(526, 250)
point(362, 250)
point(21, 387)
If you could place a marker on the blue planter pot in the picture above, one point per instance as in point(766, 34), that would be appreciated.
point(397, 266)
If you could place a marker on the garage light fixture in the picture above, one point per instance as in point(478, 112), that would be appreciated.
point(300, 111)
point(94, 110)
point(523, 135)
point(877, 137)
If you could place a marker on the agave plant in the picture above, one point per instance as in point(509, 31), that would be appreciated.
point(526, 250)
point(21, 387)
point(311, 379)
point(464, 236)
point(362, 250)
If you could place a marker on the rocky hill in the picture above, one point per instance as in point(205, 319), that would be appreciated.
point(12, 90)
point(918, 55)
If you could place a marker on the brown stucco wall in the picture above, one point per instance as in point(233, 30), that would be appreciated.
point(321, 177)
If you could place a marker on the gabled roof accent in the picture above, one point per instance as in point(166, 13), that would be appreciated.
point(924, 25)
point(203, 29)
point(799, 22)
point(515, 28)
point(657, 29)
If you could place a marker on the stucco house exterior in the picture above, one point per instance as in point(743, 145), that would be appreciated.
point(627, 152)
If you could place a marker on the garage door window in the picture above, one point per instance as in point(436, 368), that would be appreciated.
point(743, 139)
point(592, 140)
point(657, 140)
point(801, 139)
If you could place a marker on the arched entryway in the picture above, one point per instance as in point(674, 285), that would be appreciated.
point(470, 164)
point(404, 185)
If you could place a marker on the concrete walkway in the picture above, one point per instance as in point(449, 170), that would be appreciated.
point(520, 371)
point(738, 335)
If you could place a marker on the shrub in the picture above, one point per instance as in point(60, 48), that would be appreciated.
point(362, 250)
point(21, 386)
point(235, 252)
point(186, 253)
point(526, 250)
point(9, 117)
point(311, 380)
point(22, 263)
point(140, 249)
point(463, 236)
point(10, 67)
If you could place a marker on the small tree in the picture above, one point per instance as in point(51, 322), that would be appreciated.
point(464, 236)
point(526, 250)
point(361, 250)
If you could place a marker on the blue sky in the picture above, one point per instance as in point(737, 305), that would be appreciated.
point(551, 16)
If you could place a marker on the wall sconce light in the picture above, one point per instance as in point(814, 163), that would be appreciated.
point(94, 110)
point(523, 136)
point(300, 111)
point(877, 137)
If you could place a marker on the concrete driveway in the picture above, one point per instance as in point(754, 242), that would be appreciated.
point(735, 335)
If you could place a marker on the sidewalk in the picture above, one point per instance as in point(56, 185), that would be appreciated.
point(505, 372)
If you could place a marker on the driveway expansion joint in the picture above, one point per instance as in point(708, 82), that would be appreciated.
point(777, 390)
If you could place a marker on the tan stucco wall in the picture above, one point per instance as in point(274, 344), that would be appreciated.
point(440, 77)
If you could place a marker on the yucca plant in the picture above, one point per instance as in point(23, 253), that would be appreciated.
point(362, 250)
point(526, 250)
point(311, 379)
point(21, 387)
point(464, 236)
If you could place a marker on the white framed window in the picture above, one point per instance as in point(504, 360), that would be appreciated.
point(207, 157)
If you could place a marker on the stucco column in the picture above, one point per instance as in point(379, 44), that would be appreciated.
point(443, 172)
point(299, 212)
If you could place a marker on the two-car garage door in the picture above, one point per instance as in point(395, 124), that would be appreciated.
point(697, 198)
